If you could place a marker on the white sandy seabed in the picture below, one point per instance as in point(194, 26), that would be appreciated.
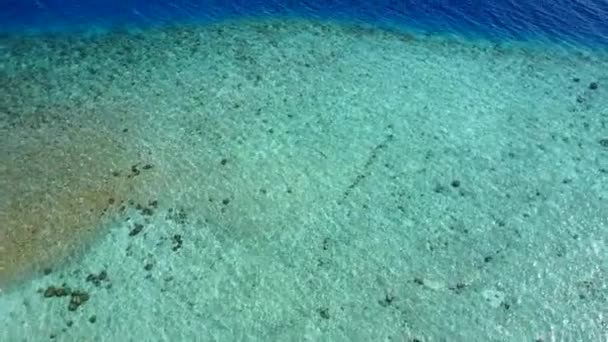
point(291, 181)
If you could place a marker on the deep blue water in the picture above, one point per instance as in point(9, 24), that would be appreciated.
point(583, 21)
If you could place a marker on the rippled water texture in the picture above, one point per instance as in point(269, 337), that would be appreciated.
point(438, 173)
point(580, 21)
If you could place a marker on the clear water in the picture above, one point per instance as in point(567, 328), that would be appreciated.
point(336, 172)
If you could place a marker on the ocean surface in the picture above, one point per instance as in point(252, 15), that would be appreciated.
point(560, 20)
point(303, 170)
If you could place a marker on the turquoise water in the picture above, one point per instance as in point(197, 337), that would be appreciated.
point(301, 180)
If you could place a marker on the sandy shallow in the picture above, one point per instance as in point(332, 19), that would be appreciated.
point(300, 181)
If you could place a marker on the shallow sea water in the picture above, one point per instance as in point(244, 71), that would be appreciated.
point(301, 180)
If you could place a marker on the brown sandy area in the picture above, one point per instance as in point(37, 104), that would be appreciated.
point(61, 184)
